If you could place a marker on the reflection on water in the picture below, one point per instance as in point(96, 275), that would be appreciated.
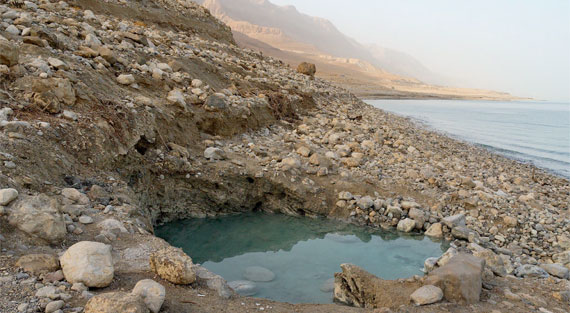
point(303, 253)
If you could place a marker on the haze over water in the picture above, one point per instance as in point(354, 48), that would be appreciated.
point(537, 132)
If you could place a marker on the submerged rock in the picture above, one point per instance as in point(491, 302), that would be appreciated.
point(244, 288)
point(328, 285)
point(258, 274)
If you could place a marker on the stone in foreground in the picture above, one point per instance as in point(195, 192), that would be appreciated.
point(406, 225)
point(152, 293)
point(114, 302)
point(173, 265)
point(356, 287)
point(89, 263)
point(460, 279)
point(427, 294)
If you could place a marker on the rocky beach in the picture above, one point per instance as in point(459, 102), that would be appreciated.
point(118, 116)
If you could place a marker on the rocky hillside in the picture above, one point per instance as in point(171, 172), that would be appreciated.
point(118, 115)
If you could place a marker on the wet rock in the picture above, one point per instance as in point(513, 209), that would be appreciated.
point(427, 295)
point(114, 302)
point(8, 195)
point(460, 279)
point(212, 153)
point(406, 225)
point(529, 270)
point(258, 274)
point(89, 263)
point(152, 293)
point(173, 265)
point(39, 216)
point(38, 263)
point(9, 53)
point(435, 231)
point(557, 270)
point(243, 288)
point(307, 69)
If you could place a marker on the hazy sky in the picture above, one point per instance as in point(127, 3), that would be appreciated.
point(518, 46)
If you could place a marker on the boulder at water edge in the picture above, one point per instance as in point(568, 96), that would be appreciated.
point(114, 302)
point(460, 278)
point(89, 263)
point(173, 265)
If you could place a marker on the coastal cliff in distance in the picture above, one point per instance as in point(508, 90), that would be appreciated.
point(369, 71)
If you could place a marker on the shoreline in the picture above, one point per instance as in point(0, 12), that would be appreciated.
point(154, 122)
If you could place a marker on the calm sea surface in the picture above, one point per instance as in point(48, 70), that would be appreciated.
point(537, 132)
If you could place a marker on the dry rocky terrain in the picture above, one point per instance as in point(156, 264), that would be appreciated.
point(116, 116)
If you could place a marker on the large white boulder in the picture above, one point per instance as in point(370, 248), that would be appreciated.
point(89, 263)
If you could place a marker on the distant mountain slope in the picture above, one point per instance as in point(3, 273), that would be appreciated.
point(287, 29)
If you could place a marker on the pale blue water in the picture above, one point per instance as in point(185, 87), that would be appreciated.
point(303, 253)
point(537, 132)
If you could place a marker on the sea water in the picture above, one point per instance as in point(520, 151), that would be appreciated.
point(303, 253)
point(529, 131)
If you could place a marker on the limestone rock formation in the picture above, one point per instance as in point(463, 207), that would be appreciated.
point(356, 287)
point(152, 293)
point(38, 263)
point(460, 279)
point(39, 216)
point(173, 265)
point(114, 302)
point(89, 263)
point(427, 294)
